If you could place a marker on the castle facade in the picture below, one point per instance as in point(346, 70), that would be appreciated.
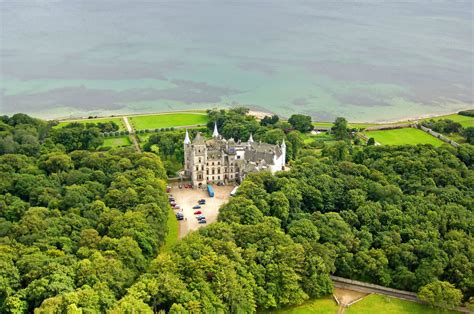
point(220, 160)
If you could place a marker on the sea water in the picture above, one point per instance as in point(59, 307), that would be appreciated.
point(365, 60)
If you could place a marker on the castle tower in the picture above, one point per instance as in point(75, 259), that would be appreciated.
point(187, 154)
point(215, 133)
point(198, 161)
point(250, 138)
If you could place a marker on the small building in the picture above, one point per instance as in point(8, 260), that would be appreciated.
point(220, 160)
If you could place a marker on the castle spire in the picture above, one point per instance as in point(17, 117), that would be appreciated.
point(251, 138)
point(186, 138)
point(283, 143)
point(216, 133)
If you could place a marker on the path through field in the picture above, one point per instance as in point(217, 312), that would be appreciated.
point(131, 131)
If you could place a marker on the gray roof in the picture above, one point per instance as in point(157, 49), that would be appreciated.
point(256, 156)
point(198, 140)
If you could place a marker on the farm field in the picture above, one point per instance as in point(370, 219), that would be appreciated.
point(465, 121)
point(116, 141)
point(403, 136)
point(117, 120)
point(167, 120)
point(314, 306)
point(375, 303)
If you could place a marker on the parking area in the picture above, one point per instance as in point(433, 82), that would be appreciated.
point(186, 198)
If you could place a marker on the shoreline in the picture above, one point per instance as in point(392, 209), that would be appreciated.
point(257, 113)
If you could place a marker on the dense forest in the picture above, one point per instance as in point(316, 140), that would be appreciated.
point(81, 230)
point(396, 216)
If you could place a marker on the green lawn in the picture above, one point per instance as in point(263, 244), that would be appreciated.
point(119, 121)
point(173, 232)
point(116, 141)
point(323, 136)
point(317, 306)
point(403, 136)
point(167, 120)
point(375, 303)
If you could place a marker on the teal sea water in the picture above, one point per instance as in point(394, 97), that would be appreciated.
point(365, 60)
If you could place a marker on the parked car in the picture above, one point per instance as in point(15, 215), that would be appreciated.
point(171, 199)
point(200, 217)
point(172, 203)
point(179, 216)
point(168, 189)
point(176, 206)
point(202, 221)
point(202, 202)
point(197, 212)
point(197, 207)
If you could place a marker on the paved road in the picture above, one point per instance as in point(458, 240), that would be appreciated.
point(131, 131)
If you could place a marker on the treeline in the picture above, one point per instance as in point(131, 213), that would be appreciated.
point(448, 127)
point(23, 134)
point(469, 113)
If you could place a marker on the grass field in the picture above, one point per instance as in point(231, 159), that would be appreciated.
point(119, 121)
point(316, 306)
point(167, 120)
point(403, 136)
point(173, 231)
point(116, 141)
point(465, 121)
point(375, 303)
point(308, 138)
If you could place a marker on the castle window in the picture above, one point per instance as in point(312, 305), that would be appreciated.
point(213, 163)
point(218, 177)
point(213, 171)
point(197, 167)
point(202, 167)
point(207, 178)
point(207, 171)
point(199, 159)
point(238, 156)
point(218, 163)
point(218, 170)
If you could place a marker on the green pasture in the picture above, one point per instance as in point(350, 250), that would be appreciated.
point(375, 303)
point(117, 120)
point(465, 121)
point(167, 120)
point(116, 141)
point(314, 306)
point(405, 136)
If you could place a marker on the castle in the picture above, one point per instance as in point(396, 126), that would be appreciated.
point(220, 160)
